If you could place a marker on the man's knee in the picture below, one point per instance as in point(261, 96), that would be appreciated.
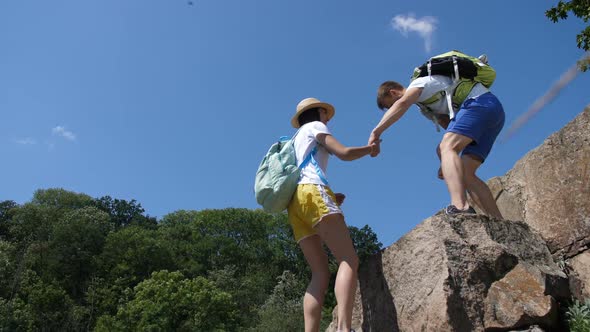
point(452, 142)
point(471, 164)
point(471, 180)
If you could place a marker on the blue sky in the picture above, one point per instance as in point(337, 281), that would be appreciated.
point(174, 104)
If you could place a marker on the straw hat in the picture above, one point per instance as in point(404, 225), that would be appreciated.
point(309, 103)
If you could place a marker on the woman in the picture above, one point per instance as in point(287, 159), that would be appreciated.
point(315, 215)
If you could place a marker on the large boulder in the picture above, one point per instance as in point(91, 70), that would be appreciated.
point(549, 189)
point(578, 268)
point(460, 273)
point(473, 273)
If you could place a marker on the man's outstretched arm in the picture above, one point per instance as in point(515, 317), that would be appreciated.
point(395, 112)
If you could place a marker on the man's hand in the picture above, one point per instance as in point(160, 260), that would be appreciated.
point(375, 142)
point(375, 149)
point(339, 198)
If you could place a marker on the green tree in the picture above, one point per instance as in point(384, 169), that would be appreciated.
point(131, 254)
point(365, 242)
point(6, 212)
point(189, 246)
point(124, 213)
point(15, 315)
point(67, 259)
point(61, 199)
point(241, 251)
point(7, 269)
point(283, 310)
point(33, 221)
point(38, 306)
point(580, 9)
point(169, 302)
point(76, 240)
point(103, 296)
point(251, 241)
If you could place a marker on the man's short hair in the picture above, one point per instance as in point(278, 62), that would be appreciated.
point(383, 92)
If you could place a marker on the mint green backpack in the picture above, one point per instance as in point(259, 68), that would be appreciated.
point(278, 174)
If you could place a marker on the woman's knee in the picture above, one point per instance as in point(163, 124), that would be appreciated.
point(352, 260)
point(321, 278)
point(335, 234)
point(355, 262)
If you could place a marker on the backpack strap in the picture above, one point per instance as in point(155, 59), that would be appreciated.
point(448, 95)
point(310, 158)
point(456, 69)
point(429, 114)
point(318, 169)
point(286, 138)
point(307, 159)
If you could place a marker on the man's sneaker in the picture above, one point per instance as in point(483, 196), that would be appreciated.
point(451, 209)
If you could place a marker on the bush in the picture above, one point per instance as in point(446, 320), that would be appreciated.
point(283, 310)
point(169, 302)
point(578, 316)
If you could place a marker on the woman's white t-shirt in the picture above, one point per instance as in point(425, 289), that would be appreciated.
point(305, 141)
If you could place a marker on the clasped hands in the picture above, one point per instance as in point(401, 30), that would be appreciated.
point(375, 143)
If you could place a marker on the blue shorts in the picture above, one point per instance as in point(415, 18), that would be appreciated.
point(481, 119)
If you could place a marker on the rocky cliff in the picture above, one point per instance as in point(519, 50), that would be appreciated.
point(474, 273)
point(549, 188)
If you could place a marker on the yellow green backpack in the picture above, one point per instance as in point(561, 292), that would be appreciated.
point(465, 70)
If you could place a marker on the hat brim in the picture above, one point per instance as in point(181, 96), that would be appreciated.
point(326, 106)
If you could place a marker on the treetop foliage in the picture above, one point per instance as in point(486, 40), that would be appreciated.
point(580, 9)
point(70, 262)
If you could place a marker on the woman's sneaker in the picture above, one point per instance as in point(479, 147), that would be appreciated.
point(451, 209)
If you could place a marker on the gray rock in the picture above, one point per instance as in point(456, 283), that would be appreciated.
point(473, 273)
point(549, 188)
point(533, 328)
point(519, 299)
point(579, 275)
point(453, 273)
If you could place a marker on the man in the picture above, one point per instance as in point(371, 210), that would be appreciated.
point(470, 133)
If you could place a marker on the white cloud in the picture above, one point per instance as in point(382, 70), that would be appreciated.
point(61, 131)
point(26, 141)
point(424, 26)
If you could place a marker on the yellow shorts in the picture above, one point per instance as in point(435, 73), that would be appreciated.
point(310, 203)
